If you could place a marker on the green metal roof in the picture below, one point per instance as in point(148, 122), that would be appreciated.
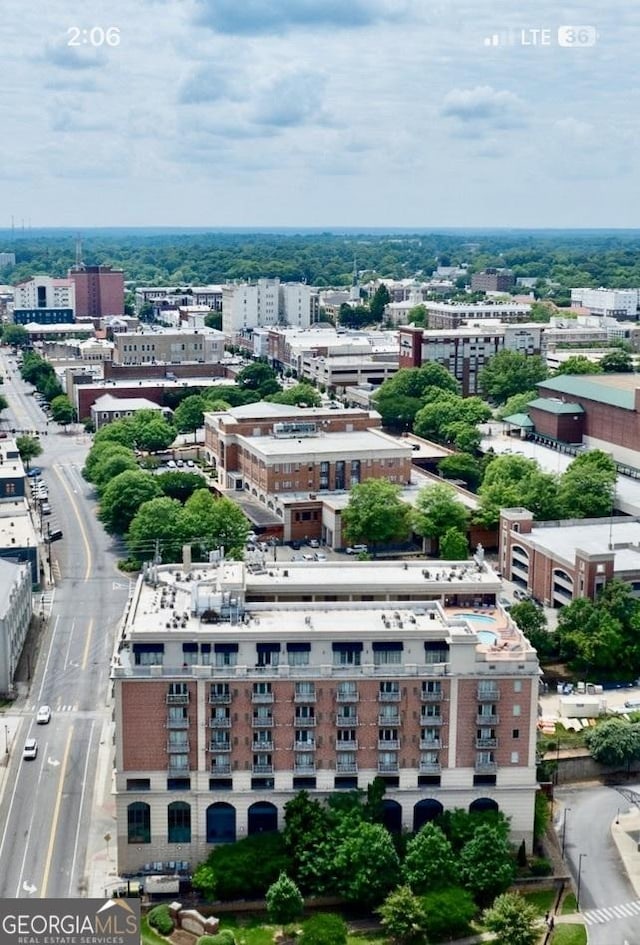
point(550, 405)
point(519, 420)
point(592, 387)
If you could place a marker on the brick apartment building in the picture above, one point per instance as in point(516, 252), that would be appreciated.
point(280, 462)
point(557, 562)
point(252, 683)
point(99, 291)
point(453, 314)
point(493, 280)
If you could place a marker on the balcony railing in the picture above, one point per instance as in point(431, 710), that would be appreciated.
point(262, 746)
point(178, 749)
point(177, 723)
point(489, 721)
point(486, 767)
point(258, 722)
point(430, 767)
point(429, 743)
point(388, 767)
point(428, 696)
point(307, 722)
point(347, 696)
point(178, 769)
point(304, 697)
point(350, 744)
point(304, 769)
point(389, 696)
point(219, 746)
point(486, 742)
point(221, 769)
point(262, 769)
point(305, 746)
point(219, 698)
point(391, 745)
point(344, 721)
point(174, 698)
point(262, 698)
point(431, 720)
point(219, 722)
point(488, 695)
point(347, 767)
point(389, 721)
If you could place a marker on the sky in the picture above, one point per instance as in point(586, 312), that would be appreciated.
point(307, 113)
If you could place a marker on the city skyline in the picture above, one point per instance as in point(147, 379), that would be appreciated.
point(382, 113)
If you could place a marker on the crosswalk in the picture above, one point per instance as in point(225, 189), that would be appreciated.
point(623, 911)
point(66, 708)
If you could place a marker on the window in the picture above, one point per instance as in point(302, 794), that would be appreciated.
point(304, 737)
point(516, 710)
point(178, 784)
point(305, 691)
point(389, 713)
point(517, 685)
point(347, 654)
point(219, 692)
point(384, 653)
point(268, 654)
point(347, 691)
point(345, 735)
point(179, 762)
point(220, 741)
point(515, 757)
point(389, 691)
point(262, 692)
point(355, 471)
point(348, 712)
point(138, 823)
point(515, 733)
point(340, 474)
point(148, 654)
point(298, 654)
point(388, 735)
point(432, 689)
point(436, 651)
point(305, 713)
point(138, 784)
point(179, 822)
point(177, 716)
point(226, 654)
point(263, 715)
point(261, 738)
point(190, 654)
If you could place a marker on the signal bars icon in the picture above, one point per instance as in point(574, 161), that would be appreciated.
point(499, 39)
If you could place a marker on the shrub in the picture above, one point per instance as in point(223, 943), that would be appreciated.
point(540, 866)
point(224, 937)
point(325, 928)
point(247, 868)
point(160, 919)
point(449, 912)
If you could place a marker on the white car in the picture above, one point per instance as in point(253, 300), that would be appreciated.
point(44, 715)
point(314, 543)
point(357, 549)
point(30, 749)
point(319, 556)
point(171, 464)
point(190, 463)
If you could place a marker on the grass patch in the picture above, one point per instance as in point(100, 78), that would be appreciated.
point(568, 904)
point(541, 899)
point(569, 935)
point(249, 931)
point(149, 936)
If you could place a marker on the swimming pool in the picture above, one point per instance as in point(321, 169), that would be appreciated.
point(484, 636)
point(477, 618)
point(487, 636)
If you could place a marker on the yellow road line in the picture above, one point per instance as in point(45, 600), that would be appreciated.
point(85, 655)
point(87, 546)
point(56, 814)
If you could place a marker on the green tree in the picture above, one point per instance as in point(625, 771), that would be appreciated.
point(462, 466)
point(400, 397)
point(403, 917)
point(258, 377)
point(614, 742)
point(159, 520)
point(375, 514)
point(214, 523)
point(366, 864)
point(429, 862)
point(180, 485)
point(617, 362)
point(3, 401)
point(486, 865)
point(151, 431)
point(449, 913)
point(542, 311)
point(111, 464)
point(578, 364)
point(324, 928)
point(284, 901)
point(379, 302)
point(28, 447)
point(587, 486)
point(533, 623)
point(300, 395)
point(120, 431)
point(418, 316)
point(123, 496)
point(189, 414)
point(436, 510)
point(509, 373)
point(454, 546)
point(204, 879)
point(463, 436)
point(62, 410)
point(517, 403)
point(15, 335)
point(214, 320)
point(513, 919)
point(445, 415)
point(306, 834)
point(516, 481)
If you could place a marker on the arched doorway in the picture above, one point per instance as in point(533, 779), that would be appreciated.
point(179, 822)
point(482, 804)
point(138, 823)
point(221, 823)
point(392, 815)
point(425, 811)
point(262, 817)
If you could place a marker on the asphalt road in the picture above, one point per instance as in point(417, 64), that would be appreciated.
point(46, 808)
point(603, 880)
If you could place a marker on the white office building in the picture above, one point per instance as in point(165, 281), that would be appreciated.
point(615, 303)
point(265, 303)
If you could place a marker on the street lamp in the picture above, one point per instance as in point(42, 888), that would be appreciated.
point(580, 858)
point(6, 739)
point(564, 829)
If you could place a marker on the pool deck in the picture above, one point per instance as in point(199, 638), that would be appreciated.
point(509, 638)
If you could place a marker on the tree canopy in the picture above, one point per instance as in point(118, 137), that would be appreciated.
point(485, 863)
point(28, 447)
point(122, 497)
point(614, 742)
point(437, 509)
point(587, 486)
point(300, 395)
point(617, 361)
point(258, 377)
point(429, 862)
point(462, 466)
point(400, 397)
point(189, 414)
point(16, 335)
point(509, 373)
point(512, 481)
point(578, 364)
point(375, 514)
point(513, 919)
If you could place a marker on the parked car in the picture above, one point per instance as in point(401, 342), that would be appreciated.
point(179, 463)
point(357, 549)
point(35, 472)
point(314, 543)
point(44, 715)
point(46, 508)
point(171, 464)
point(190, 463)
point(30, 749)
point(296, 545)
point(319, 556)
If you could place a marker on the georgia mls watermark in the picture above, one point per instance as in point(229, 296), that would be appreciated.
point(70, 922)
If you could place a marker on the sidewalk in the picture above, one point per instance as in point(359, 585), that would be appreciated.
point(101, 861)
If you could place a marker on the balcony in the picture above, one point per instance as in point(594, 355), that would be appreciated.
point(262, 746)
point(430, 767)
point(262, 769)
point(347, 696)
point(308, 722)
point(350, 744)
point(389, 721)
point(177, 768)
point(177, 749)
point(221, 769)
point(174, 698)
point(219, 746)
point(486, 767)
point(389, 696)
point(177, 723)
point(392, 745)
point(488, 695)
point(259, 722)
point(486, 742)
point(430, 743)
point(346, 721)
point(487, 721)
point(347, 767)
point(435, 720)
point(304, 769)
point(262, 698)
point(428, 696)
point(219, 722)
point(305, 746)
point(219, 698)
point(388, 767)
point(304, 697)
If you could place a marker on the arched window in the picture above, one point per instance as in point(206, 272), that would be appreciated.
point(392, 815)
point(138, 823)
point(179, 822)
point(262, 818)
point(221, 823)
point(482, 804)
point(426, 811)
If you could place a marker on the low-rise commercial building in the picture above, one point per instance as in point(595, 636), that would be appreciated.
point(18, 537)
point(15, 615)
point(614, 303)
point(12, 474)
point(250, 686)
point(205, 345)
point(108, 408)
point(453, 314)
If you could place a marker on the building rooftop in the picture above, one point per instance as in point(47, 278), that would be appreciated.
point(9, 572)
point(552, 405)
point(107, 402)
point(358, 441)
point(596, 537)
point(617, 390)
point(520, 419)
point(16, 527)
